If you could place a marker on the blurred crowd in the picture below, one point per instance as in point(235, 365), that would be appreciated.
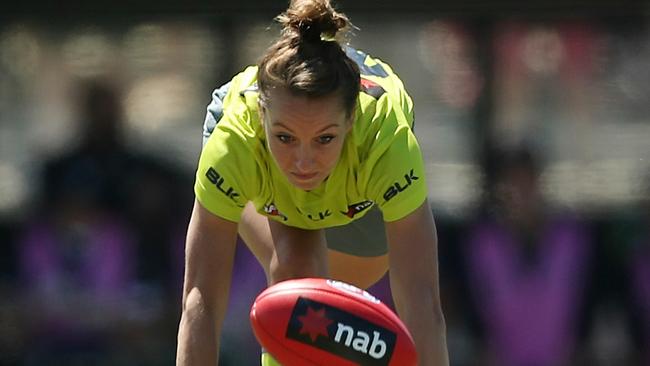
point(95, 271)
point(526, 283)
point(93, 274)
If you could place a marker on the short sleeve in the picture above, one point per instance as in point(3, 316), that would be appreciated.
point(214, 111)
point(397, 182)
point(226, 174)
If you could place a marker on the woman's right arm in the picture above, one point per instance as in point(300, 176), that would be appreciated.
point(209, 255)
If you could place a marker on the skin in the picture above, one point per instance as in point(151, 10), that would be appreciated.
point(306, 137)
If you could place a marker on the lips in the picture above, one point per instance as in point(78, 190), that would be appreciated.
point(308, 176)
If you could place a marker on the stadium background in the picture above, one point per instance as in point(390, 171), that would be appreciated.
point(91, 226)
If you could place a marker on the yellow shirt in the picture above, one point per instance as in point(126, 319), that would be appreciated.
point(380, 163)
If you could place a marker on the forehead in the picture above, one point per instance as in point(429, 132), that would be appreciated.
point(289, 108)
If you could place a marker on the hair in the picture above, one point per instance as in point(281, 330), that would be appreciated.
point(308, 59)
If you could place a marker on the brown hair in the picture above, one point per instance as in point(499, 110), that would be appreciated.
point(308, 59)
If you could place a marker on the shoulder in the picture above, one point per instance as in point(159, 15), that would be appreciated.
point(234, 107)
point(234, 93)
point(229, 168)
point(369, 65)
point(235, 134)
point(378, 78)
point(383, 103)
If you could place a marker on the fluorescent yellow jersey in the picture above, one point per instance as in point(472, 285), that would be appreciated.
point(380, 163)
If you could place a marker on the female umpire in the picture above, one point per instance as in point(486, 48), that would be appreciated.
point(306, 156)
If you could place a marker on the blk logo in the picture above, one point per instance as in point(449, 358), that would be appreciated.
point(316, 217)
point(340, 333)
point(398, 187)
point(215, 178)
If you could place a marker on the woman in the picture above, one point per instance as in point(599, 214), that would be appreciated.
point(299, 147)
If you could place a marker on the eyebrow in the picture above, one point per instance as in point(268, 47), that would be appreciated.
point(280, 124)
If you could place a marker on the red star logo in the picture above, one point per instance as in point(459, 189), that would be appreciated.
point(315, 323)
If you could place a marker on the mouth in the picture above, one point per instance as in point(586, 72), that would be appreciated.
point(304, 177)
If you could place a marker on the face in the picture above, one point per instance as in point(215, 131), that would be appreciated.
point(305, 135)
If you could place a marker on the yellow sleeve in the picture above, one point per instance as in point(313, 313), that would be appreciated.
point(393, 169)
point(397, 182)
point(227, 174)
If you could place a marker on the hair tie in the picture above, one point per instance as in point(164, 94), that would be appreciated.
point(327, 37)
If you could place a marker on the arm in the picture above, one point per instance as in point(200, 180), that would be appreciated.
point(413, 263)
point(297, 252)
point(209, 253)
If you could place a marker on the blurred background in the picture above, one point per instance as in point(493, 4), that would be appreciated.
point(534, 120)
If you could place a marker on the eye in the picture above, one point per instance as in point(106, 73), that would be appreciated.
point(284, 138)
point(326, 139)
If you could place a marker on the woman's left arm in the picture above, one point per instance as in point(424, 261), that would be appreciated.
point(413, 261)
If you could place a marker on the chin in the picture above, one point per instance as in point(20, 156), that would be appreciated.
point(306, 186)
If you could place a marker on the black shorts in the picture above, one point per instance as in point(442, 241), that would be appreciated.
point(365, 237)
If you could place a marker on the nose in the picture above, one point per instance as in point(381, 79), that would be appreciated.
point(304, 159)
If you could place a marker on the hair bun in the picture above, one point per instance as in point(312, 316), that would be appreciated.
point(313, 20)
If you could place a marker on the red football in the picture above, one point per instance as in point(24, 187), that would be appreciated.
point(321, 322)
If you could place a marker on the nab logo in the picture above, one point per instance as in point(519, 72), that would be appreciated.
point(396, 188)
point(340, 333)
point(357, 207)
point(359, 340)
point(215, 178)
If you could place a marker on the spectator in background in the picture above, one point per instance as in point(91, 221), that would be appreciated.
point(527, 268)
point(77, 268)
point(95, 260)
point(639, 266)
point(126, 182)
point(615, 316)
point(11, 318)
